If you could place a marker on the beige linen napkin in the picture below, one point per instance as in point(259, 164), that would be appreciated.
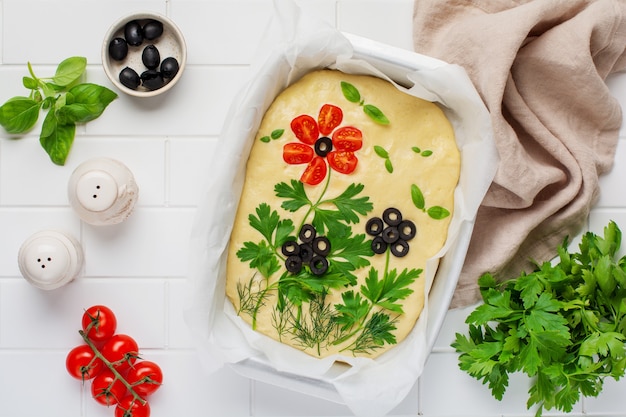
point(540, 67)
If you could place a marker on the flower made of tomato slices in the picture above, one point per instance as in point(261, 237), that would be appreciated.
point(317, 145)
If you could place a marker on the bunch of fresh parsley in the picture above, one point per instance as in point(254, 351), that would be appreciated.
point(67, 101)
point(564, 325)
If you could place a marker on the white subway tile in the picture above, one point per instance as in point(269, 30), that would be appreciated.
point(35, 383)
point(52, 319)
point(189, 169)
point(45, 32)
point(151, 242)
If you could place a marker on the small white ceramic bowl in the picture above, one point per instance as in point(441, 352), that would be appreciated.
point(170, 44)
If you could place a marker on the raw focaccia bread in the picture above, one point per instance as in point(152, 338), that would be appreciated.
point(333, 153)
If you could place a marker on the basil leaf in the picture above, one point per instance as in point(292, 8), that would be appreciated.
point(277, 133)
point(19, 114)
point(417, 197)
point(375, 114)
point(416, 149)
point(427, 153)
point(29, 83)
point(380, 151)
point(57, 138)
point(438, 212)
point(69, 71)
point(350, 92)
point(389, 166)
point(88, 101)
point(265, 139)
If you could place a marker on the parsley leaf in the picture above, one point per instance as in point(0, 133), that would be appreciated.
point(564, 325)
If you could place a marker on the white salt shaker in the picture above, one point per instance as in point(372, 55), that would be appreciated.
point(50, 259)
point(102, 191)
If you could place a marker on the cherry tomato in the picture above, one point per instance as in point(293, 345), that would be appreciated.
point(315, 172)
point(130, 407)
point(347, 138)
point(121, 350)
point(344, 162)
point(145, 377)
point(82, 363)
point(305, 129)
point(329, 118)
point(106, 389)
point(297, 153)
point(102, 321)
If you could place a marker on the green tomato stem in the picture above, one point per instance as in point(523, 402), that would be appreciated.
point(109, 365)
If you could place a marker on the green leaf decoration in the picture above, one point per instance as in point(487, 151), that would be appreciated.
point(416, 149)
point(375, 114)
point(265, 139)
point(69, 71)
point(417, 197)
point(19, 114)
point(350, 92)
point(437, 212)
point(56, 138)
point(427, 153)
point(389, 166)
point(276, 134)
point(88, 102)
point(380, 151)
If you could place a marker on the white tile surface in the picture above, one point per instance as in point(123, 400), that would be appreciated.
point(138, 267)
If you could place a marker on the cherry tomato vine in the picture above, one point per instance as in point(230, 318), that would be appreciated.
point(119, 375)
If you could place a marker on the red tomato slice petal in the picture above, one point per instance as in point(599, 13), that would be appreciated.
point(347, 138)
point(297, 153)
point(342, 161)
point(315, 172)
point(329, 118)
point(305, 129)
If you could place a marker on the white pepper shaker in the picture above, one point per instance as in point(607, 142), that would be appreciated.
point(50, 259)
point(102, 191)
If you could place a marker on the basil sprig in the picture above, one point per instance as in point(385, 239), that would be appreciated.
point(67, 101)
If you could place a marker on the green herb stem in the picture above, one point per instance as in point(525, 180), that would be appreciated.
point(108, 364)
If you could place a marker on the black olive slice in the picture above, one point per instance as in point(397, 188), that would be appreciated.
point(318, 265)
point(321, 245)
point(307, 233)
point(379, 245)
point(374, 226)
point(400, 248)
point(306, 252)
point(323, 145)
point(293, 264)
point(390, 234)
point(392, 216)
point(290, 247)
point(407, 230)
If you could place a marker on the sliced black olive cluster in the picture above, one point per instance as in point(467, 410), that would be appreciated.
point(391, 232)
point(311, 251)
point(157, 73)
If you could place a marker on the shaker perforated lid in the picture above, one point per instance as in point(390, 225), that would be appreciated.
point(50, 259)
point(102, 191)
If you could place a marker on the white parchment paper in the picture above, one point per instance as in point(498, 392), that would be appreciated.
point(295, 45)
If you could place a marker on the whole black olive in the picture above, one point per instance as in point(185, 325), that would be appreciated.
point(133, 33)
point(169, 67)
point(118, 49)
point(152, 29)
point(151, 57)
point(130, 78)
point(152, 80)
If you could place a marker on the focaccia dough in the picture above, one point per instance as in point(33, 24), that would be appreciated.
point(412, 163)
